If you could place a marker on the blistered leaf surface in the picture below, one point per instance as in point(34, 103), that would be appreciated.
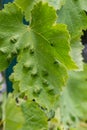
point(11, 28)
point(44, 60)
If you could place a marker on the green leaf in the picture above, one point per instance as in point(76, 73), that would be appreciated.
point(14, 119)
point(11, 28)
point(45, 54)
point(12, 35)
point(46, 47)
point(53, 34)
point(35, 118)
point(74, 17)
point(76, 21)
point(41, 84)
point(74, 100)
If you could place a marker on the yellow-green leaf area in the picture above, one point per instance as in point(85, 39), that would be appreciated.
point(35, 118)
point(14, 119)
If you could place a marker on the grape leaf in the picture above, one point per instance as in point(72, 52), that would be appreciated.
point(39, 48)
point(35, 118)
point(12, 35)
point(74, 100)
point(76, 19)
point(40, 72)
point(11, 41)
point(14, 119)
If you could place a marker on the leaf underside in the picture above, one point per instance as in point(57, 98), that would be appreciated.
point(74, 101)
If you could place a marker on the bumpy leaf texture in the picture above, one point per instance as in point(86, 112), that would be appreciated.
point(78, 17)
point(74, 101)
point(45, 53)
point(11, 28)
